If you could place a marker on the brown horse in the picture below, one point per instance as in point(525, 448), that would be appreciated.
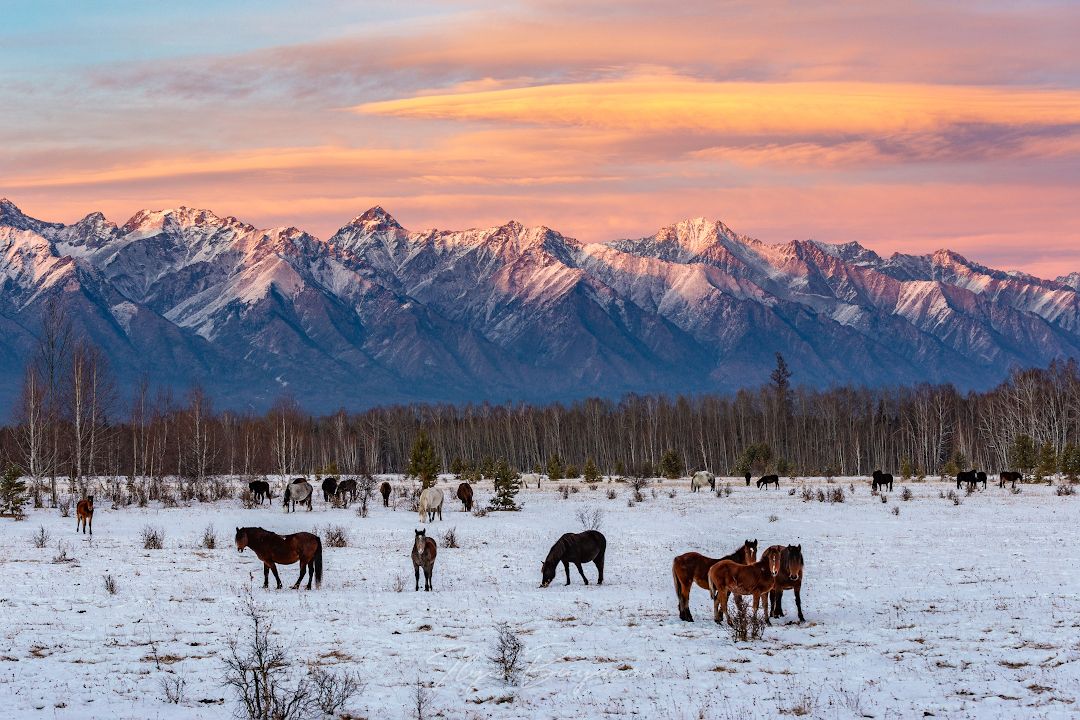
point(385, 490)
point(465, 495)
point(423, 556)
point(692, 567)
point(272, 548)
point(789, 578)
point(84, 514)
point(1013, 477)
point(726, 577)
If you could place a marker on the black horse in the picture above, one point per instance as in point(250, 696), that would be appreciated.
point(577, 548)
point(1013, 477)
point(881, 479)
point(747, 476)
point(260, 489)
point(971, 477)
point(329, 488)
point(346, 492)
point(767, 480)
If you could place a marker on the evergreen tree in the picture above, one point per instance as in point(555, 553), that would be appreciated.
point(571, 471)
point(1048, 462)
point(905, 469)
point(781, 384)
point(671, 464)
point(12, 492)
point(555, 468)
point(1023, 453)
point(1070, 462)
point(507, 484)
point(423, 463)
point(591, 473)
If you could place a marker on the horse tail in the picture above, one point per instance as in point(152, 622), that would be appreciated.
point(318, 561)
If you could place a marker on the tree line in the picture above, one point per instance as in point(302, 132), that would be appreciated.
point(70, 422)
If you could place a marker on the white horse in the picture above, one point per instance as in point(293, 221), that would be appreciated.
point(431, 500)
point(527, 478)
point(299, 491)
point(701, 479)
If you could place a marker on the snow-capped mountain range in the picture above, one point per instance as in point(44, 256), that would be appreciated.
point(379, 314)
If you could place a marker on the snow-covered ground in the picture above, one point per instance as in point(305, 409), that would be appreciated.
point(969, 610)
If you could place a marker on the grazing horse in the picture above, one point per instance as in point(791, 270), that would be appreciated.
point(272, 548)
point(881, 479)
point(788, 578)
point(527, 478)
point(84, 514)
point(692, 568)
point(423, 555)
point(726, 577)
point(346, 492)
point(701, 479)
point(260, 489)
point(1007, 476)
point(767, 480)
point(577, 548)
point(431, 500)
point(970, 477)
point(746, 475)
point(298, 492)
point(385, 489)
point(329, 488)
point(465, 495)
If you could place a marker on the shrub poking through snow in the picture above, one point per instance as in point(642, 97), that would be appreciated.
point(746, 625)
point(611, 494)
point(1065, 489)
point(506, 654)
point(209, 538)
point(906, 494)
point(335, 536)
point(331, 690)
point(152, 538)
point(110, 584)
point(590, 518)
point(807, 494)
point(449, 538)
point(41, 537)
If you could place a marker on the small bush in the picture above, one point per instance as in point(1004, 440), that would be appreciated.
point(399, 584)
point(41, 537)
point(807, 494)
point(671, 493)
point(820, 495)
point(590, 518)
point(637, 484)
point(836, 495)
point(209, 538)
point(746, 625)
point(773, 518)
point(449, 538)
point(247, 499)
point(480, 511)
point(791, 491)
point(335, 536)
point(110, 584)
point(506, 654)
point(906, 494)
point(564, 491)
point(172, 687)
point(895, 509)
point(611, 494)
point(62, 553)
point(64, 506)
point(152, 538)
point(884, 498)
point(333, 690)
point(1064, 489)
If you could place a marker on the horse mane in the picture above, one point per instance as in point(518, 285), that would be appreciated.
point(557, 550)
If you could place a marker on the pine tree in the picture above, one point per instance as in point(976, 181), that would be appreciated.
point(423, 463)
point(781, 384)
point(591, 473)
point(1070, 462)
point(905, 469)
point(555, 468)
point(671, 464)
point(12, 493)
point(1023, 453)
point(571, 471)
point(506, 487)
point(1048, 462)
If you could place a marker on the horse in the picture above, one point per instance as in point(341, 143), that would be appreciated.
point(767, 480)
point(272, 548)
point(1007, 476)
point(423, 555)
point(465, 495)
point(527, 478)
point(881, 479)
point(971, 478)
point(431, 500)
point(260, 489)
point(701, 479)
point(84, 514)
point(346, 492)
point(299, 491)
point(746, 475)
point(385, 489)
point(692, 568)
point(329, 488)
point(726, 577)
point(577, 548)
point(788, 578)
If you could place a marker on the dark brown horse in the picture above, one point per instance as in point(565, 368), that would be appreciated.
point(272, 548)
point(346, 492)
point(692, 568)
point(84, 514)
point(881, 479)
point(577, 548)
point(972, 478)
point(727, 577)
point(767, 480)
point(423, 556)
point(329, 489)
point(465, 495)
point(385, 489)
point(1013, 477)
point(746, 475)
point(788, 578)
point(260, 489)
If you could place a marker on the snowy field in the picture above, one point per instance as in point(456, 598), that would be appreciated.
point(945, 610)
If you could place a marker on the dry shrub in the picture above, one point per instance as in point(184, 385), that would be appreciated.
point(110, 584)
point(335, 536)
point(209, 538)
point(590, 518)
point(506, 654)
point(65, 506)
point(41, 537)
point(611, 494)
point(449, 538)
point(152, 538)
point(906, 494)
point(746, 625)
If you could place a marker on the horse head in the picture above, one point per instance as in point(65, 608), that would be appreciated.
point(774, 563)
point(750, 552)
point(241, 539)
point(794, 562)
point(547, 573)
point(420, 540)
point(90, 501)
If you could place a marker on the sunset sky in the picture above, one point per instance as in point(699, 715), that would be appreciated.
point(906, 126)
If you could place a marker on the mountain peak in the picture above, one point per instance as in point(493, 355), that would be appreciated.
point(375, 219)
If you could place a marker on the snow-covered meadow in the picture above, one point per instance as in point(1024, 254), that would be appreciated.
point(943, 610)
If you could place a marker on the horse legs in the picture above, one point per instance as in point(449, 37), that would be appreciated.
point(566, 567)
point(416, 570)
point(266, 576)
point(90, 521)
point(599, 562)
point(581, 573)
point(718, 610)
point(427, 577)
point(684, 599)
point(798, 601)
point(277, 577)
point(776, 603)
point(310, 571)
point(303, 569)
point(440, 513)
point(757, 603)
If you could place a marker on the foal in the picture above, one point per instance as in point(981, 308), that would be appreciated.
point(692, 568)
point(790, 577)
point(84, 514)
point(726, 577)
point(384, 490)
point(423, 555)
